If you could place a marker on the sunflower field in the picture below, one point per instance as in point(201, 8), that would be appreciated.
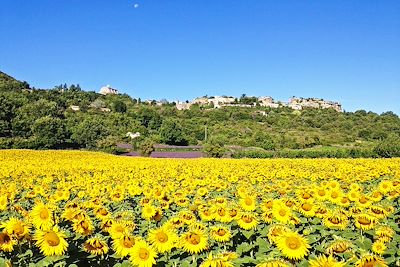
point(73, 208)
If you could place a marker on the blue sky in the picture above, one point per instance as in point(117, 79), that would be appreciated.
point(342, 50)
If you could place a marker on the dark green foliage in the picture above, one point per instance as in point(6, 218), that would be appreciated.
point(171, 133)
point(389, 147)
point(89, 131)
point(146, 147)
point(333, 152)
point(214, 148)
point(109, 144)
point(119, 106)
point(49, 132)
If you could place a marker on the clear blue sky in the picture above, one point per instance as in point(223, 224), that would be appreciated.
point(342, 50)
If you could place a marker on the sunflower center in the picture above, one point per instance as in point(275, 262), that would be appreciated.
point(334, 195)
point(52, 239)
point(162, 237)
point(18, 229)
point(334, 220)
point(306, 195)
point(307, 206)
point(293, 242)
point(340, 249)
point(221, 212)
point(364, 221)
point(128, 242)
point(363, 200)
point(194, 239)
point(44, 214)
point(248, 201)
point(247, 219)
point(221, 232)
point(103, 212)
point(4, 238)
point(282, 212)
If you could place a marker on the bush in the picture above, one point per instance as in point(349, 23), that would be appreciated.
point(108, 144)
point(214, 148)
point(389, 147)
point(146, 148)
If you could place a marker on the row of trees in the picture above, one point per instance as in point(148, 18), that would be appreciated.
point(44, 119)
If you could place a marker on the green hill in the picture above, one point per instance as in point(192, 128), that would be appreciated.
point(9, 83)
point(50, 119)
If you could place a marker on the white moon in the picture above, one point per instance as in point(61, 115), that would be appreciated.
point(135, 5)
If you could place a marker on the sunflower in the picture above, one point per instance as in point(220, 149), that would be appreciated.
point(213, 261)
point(353, 195)
point(273, 263)
point(379, 247)
point(220, 233)
point(367, 260)
point(323, 261)
point(222, 214)
point(363, 201)
point(84, 227)
point(338, 246)
point(42, 217)
point(276, 231)
point(267, 204)
point(385, 186)
point(194, 241)
point(378, 211)
point(247, 221)
point(281, 212)
point(118, 229)
point(365, 221)
point(307, 209)
point(334, 195)
point(51, 241)
point(3, 202)
point(95, 246)
point(16, 227)
point(163, 239)
point(123, 245)
point(321, 193)
point(321, 212)
point(102, 213)
point(267, 216)
point(206, 214)
point(143, 255)
point(335, 220)
point(148, 211)
point(384, 231)
point(7, 242)
point(293, 246)
point(248, 203)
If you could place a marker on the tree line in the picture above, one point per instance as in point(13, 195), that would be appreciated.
point(44, 119)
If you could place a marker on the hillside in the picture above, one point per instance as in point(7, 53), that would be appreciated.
point(9, 83)
point(67, 117)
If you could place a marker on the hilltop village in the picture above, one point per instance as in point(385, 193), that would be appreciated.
point(296, 103)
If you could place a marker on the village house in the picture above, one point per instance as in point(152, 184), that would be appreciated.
point(107, 90)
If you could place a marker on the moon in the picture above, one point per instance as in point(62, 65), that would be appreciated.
point(136, 5)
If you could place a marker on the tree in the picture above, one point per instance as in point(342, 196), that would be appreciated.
point(214, 148)
point(89, 131)
point(119, 106)
point(171, 133)
point(146, 147)
point(389, 147)
point(49, 132)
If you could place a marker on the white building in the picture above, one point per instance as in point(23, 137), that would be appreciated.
point(107, 90)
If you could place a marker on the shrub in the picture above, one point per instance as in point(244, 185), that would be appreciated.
point(388, 147)
point(146, 147)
